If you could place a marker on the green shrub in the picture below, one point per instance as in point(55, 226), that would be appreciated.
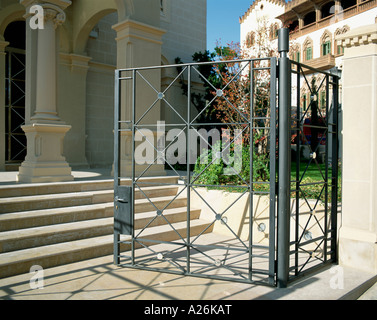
point(214, 174)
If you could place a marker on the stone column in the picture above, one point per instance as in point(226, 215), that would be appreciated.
point(139, 45)
point(318, 13)
point(45, 132)
point(358, 232)
point(3, 44)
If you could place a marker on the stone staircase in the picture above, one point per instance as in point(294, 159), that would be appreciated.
point(59, 223)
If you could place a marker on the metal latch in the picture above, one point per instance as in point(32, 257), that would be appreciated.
point(123, 222)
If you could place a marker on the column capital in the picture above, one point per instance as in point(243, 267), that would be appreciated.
point(53, 9)
point(136, 29)
point(63, 4)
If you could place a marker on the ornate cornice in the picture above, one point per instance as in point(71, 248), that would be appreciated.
point(358, 37)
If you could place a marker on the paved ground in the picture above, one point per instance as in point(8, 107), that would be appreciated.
point(100, 279)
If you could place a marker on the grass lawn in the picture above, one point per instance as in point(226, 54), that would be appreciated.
point(312, 183)
point(313, 171)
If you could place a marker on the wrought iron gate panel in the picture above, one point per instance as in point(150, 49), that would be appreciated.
point(315, 162)
point(185, 246)
point(175, 224)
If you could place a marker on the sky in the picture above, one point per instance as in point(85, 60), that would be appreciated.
point(223, 21)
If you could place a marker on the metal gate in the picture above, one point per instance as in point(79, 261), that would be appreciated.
point(224, 208)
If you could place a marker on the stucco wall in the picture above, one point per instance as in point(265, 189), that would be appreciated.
point(100, 93)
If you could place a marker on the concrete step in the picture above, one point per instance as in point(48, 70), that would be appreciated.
point(47, 201)
point(58, 233)
point(8, 191)
point(18, 262)
point(37, 218)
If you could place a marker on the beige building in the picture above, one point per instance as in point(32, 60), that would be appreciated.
point(314, 26)
point(57, 82)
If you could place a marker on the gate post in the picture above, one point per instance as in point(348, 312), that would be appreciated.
point(283, 214)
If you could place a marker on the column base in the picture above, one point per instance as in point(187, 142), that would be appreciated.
point(44, 172)
point(44, 161)
point(358, 249)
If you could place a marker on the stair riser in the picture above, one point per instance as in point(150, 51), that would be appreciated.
point(160, 204)
point(45, 204)
point(23, 191)
point(173, 218)
point(57, 237)
point(88, 214)
point(64, 217)
point(34, 241)
point(56, 188)
point(77, 200)
point(58, 259)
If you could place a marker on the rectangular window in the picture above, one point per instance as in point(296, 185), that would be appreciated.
point(298, 56)
point(326, 48)
point(309, 53)
point(323, 99)
point(340, 50)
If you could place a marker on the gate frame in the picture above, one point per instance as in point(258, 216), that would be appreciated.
point(284, 176)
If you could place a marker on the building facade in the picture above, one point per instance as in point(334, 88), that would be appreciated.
point(57, 82)
point(314, 26)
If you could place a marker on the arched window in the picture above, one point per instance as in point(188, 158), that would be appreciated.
point(309, 18)
point(348, 3)
point(250, 39)
point(326, 40)
point(296, 52)
point(339, 50)
point(308, 49)
point(274, 31)
point(293, 26)
point(328, 9)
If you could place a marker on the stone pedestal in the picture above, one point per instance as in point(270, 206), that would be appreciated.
point(45, 131)
point(358, 232)
point(44, 161)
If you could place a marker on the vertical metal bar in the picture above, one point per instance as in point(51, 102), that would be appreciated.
point(116, 160)
point(298, 164)
point(326, 170)
point(334, 171)
point(133, 112)
point(10, 107)
point(284, 159)
point(251, 193)
point(188, 178)
point(272, 239)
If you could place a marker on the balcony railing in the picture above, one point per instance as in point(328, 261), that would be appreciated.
point(323, 63)
point(345, 14)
